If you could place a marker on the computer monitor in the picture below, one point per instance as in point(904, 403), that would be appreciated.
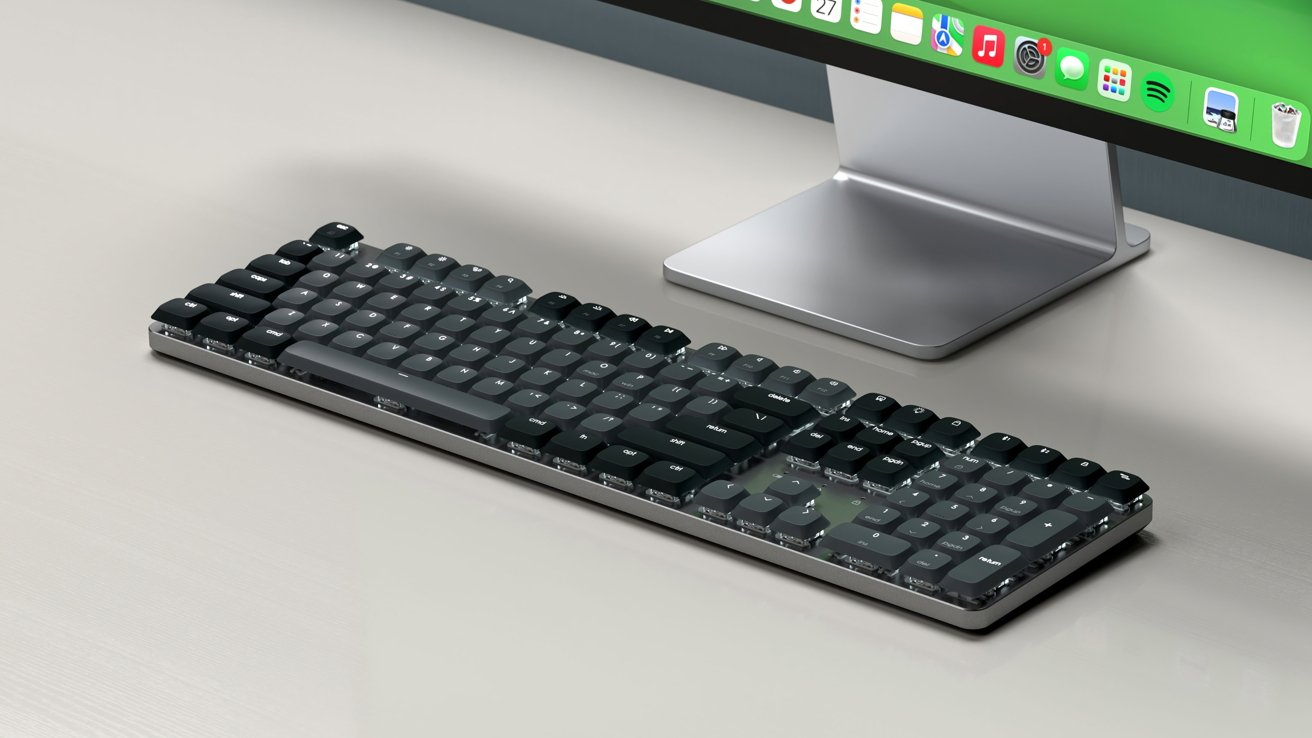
point(977, 180)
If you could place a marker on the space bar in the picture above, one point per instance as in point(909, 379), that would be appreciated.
point(422, 395)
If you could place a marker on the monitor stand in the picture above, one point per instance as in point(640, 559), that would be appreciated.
point(944, 223)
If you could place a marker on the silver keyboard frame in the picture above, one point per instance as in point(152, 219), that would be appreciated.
point(800, 562)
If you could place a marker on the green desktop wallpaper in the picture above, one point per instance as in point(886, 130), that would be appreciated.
point(1252, 55)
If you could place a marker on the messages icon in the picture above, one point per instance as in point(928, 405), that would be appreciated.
point(1072, 69)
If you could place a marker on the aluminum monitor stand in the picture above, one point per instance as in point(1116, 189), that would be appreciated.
point(944, 223)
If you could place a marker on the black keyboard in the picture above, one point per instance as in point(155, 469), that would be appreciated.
point(888, 500)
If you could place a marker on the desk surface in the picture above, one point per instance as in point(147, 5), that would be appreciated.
point(182, 556)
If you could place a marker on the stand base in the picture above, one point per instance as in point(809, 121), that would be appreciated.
point(895, 269)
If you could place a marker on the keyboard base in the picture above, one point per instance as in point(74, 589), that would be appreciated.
point(804, 563)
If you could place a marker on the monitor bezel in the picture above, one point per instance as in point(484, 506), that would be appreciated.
point(1018, 102)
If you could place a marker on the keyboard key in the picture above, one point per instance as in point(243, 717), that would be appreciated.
point(387, 303)
point(399, 331)
point(867, 548)
point(300, 251)
point(607, 350)
point(840, 427)
point(1090, 509)
point(505, 290)
point(714, 357)
point(434, 294)
point(758, 511)
point(353, 343)
point(919, 532)
point(579, 391)
point(467, 278)
point(399, 284)
point(320, 281)
point(1040, 461)
point(589, 318)
point(788, 381)
point(1078, 473)
point(681, 375)
point(798, 526)
point(793, 490)
point(885, 472)
point(926, 567)
point(719, 497)
point(917, 453)
point(750, 369)
point(1119, 487)
point(670, 396)
point(1016, 509)
point(1006, 480)
point(636, 384)
point(337, 236)
point(872, 409)
point(528, 403)
point(647, 362)
point(965, 468)
point(765, 429)
point(601, 372)
point(977, 497)
point(948, 514)
point(669, 483)
point(663, 340)
point(422, 395)
point(958, 545)
point(503, 316)
point(356, 293)
point(296, 298)
point(951, 433)
point(564, 414)
point(1046, 494)
point(938, 484)
point(470, 306)
point(387, 353)
point(912, 420)
point(624, 328)
point(620, 462)
point(606, 426)
point(264, 341)
point(554, 306)
point(437, 344)
point(1042, 535)
point(528, 349)
point(335, 310)
point(988, 528)
point(738, 447)
point(810, 446)
point(365, 321)
point(401, 256)
point(458, 327)
point(827, 395)
point(707, 462)
point(999, 448)
point(468, 355)
point(542, 379)
point(335, 262)
point(648, 415)
point(493, 389)
point(505, 367)
point(225, 300)
point(794, 413)
point(434, 267)
point(493, 339)
point(284, 319)
point(879, 517)
point(847, 458)
point(460, 378)
point(612, 403)
point(424, 366)
point(714, 385)
point(366, 273)
point(572, 339)
point(880, 440)
point(531, 433)
point(984, 572)
point(317, 331)
point(577, 447)
point(277, 267)
point(180, 313)
point(912, 502)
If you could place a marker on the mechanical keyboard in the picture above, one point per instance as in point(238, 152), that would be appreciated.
point(888, 500)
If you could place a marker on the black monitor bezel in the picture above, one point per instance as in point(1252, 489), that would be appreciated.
point(1253, 167)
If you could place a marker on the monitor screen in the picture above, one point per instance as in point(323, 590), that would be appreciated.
point(1162, 76)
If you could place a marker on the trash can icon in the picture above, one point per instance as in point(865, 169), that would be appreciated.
point(1285, 119)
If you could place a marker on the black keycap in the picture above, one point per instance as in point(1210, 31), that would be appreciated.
point(912, 502)
point(977, 497)
point(365, 272)
point(222, 327)
point(532, 433)
point(937, 483)
point(965, 468)
point(470, 306)
point(847, 458)
point(810, 446)
point(1078, 473)
point(648, 415)
point(387, 303)
point(468, 355)
point(750, 369)
point(353, 292)
point(460, 378)
point(266, 342)
point(739, 447)
point(827, 395)
point(319, 281)
point(982, 573)
point(336, 236)
point(565, 414)
point(334, 310)
point(636, 384)
point(277, 267)
point(1090, 509)
point(663, 340)
point(601, 372)
point(590, 317)
point(399, 331)
point(670, 396)
point(331, 261)
point(401, 284)
point(494, 339)
point(365, 321)
point(505, 290)
point(988, 528)
point(504, 316)
point(603, 424)
point(912, 420)
point(624, 328)
point(886, 472)
point(620, 462)
point(951, 433)
point(352, 342)
point(528, 403)
point(572, 339)
point(840, 427)
point(669, 480)
point(554, 306)
point(180, 313)
point(493, 389)
point(541, 379)
point(877, 549)
point(575, 446)
point(927, 567)
point(298, 251)
point(707, 462)
point(714, 357)
point(1042, 535)
point(879, 517)
point(682, 375)
point(788, 381)
point(297, 298)
point(710, 409)
point(401, 256)
point(386, 353)
point(1016, 509)
point(764, 428)
point(793, 490)
point(880, 440)
point(1006, 480)
point(284, 319)
point(437, 344)
point(317, 331)
point(794, 413)
point(458, 327)
point(919, 532)
point(1119, 487)
point(948, 514)
point(612, 403)
point(528, 349)
point(424, 366)
point(1046, 494)
point(434, 294)
point(917, 453)
point(647, 362)
point(799, 524)
point(422, 395)
point(999, 448)
point(958, 545)
point(720, 497)
point(714, 385)
point(222, 299)
point(759, 510)
point(872, 409)
point(467, 278)
point(434, 267)
point(580, 391)
point(1038, 460)
point(505, 367)
point(607, 350)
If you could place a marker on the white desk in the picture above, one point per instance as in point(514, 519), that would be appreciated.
point(183, 556)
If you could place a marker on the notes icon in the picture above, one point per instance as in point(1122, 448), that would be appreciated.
point(990, 46)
